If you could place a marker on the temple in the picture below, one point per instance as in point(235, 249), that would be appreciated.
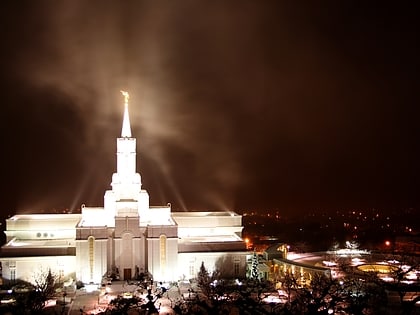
point(126, 237)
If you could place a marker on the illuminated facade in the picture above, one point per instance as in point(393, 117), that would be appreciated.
point(126, 237)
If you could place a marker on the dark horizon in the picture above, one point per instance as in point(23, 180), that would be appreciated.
point(253, 106)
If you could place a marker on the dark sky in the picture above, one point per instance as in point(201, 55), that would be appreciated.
point(234, 104)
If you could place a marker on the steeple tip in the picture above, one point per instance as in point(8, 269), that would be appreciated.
point(126, 128)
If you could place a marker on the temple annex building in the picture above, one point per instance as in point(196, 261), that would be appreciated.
point(125, 237)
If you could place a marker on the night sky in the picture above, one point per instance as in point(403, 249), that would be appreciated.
point(235, 104)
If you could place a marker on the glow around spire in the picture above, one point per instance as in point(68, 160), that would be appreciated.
point(126, 128)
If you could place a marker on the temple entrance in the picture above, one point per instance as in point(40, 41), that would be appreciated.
point(127, 273)
point(126, 259)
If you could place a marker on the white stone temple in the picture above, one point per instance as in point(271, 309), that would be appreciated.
point(126, 237)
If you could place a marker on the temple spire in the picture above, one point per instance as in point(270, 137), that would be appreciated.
point(126, 128)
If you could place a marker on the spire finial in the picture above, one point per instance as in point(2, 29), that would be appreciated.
point(126, 129)
point(126, 97)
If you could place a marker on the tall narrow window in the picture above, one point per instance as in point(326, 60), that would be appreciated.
point(191, 270)
point(236, 266)
point(91, 245)
point(236, 269)
point(12, 267)
point(162, 241)
point(13, 275)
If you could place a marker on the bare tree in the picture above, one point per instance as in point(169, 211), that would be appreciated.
point(325, 295)
point(322, 295)
point(363, 295)
point(33, 298)
point(403, 265)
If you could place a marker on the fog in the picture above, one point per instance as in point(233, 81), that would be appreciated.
point(233, 105)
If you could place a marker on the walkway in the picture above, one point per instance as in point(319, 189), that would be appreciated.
point(83, 302)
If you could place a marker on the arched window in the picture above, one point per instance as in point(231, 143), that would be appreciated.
point(91, 248)
point(162, 243)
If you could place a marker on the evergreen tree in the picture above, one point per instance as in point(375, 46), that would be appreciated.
point(254, 267)
point(203, 279)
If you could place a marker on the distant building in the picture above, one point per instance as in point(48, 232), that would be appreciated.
point(126, 237)
point(276, 251)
